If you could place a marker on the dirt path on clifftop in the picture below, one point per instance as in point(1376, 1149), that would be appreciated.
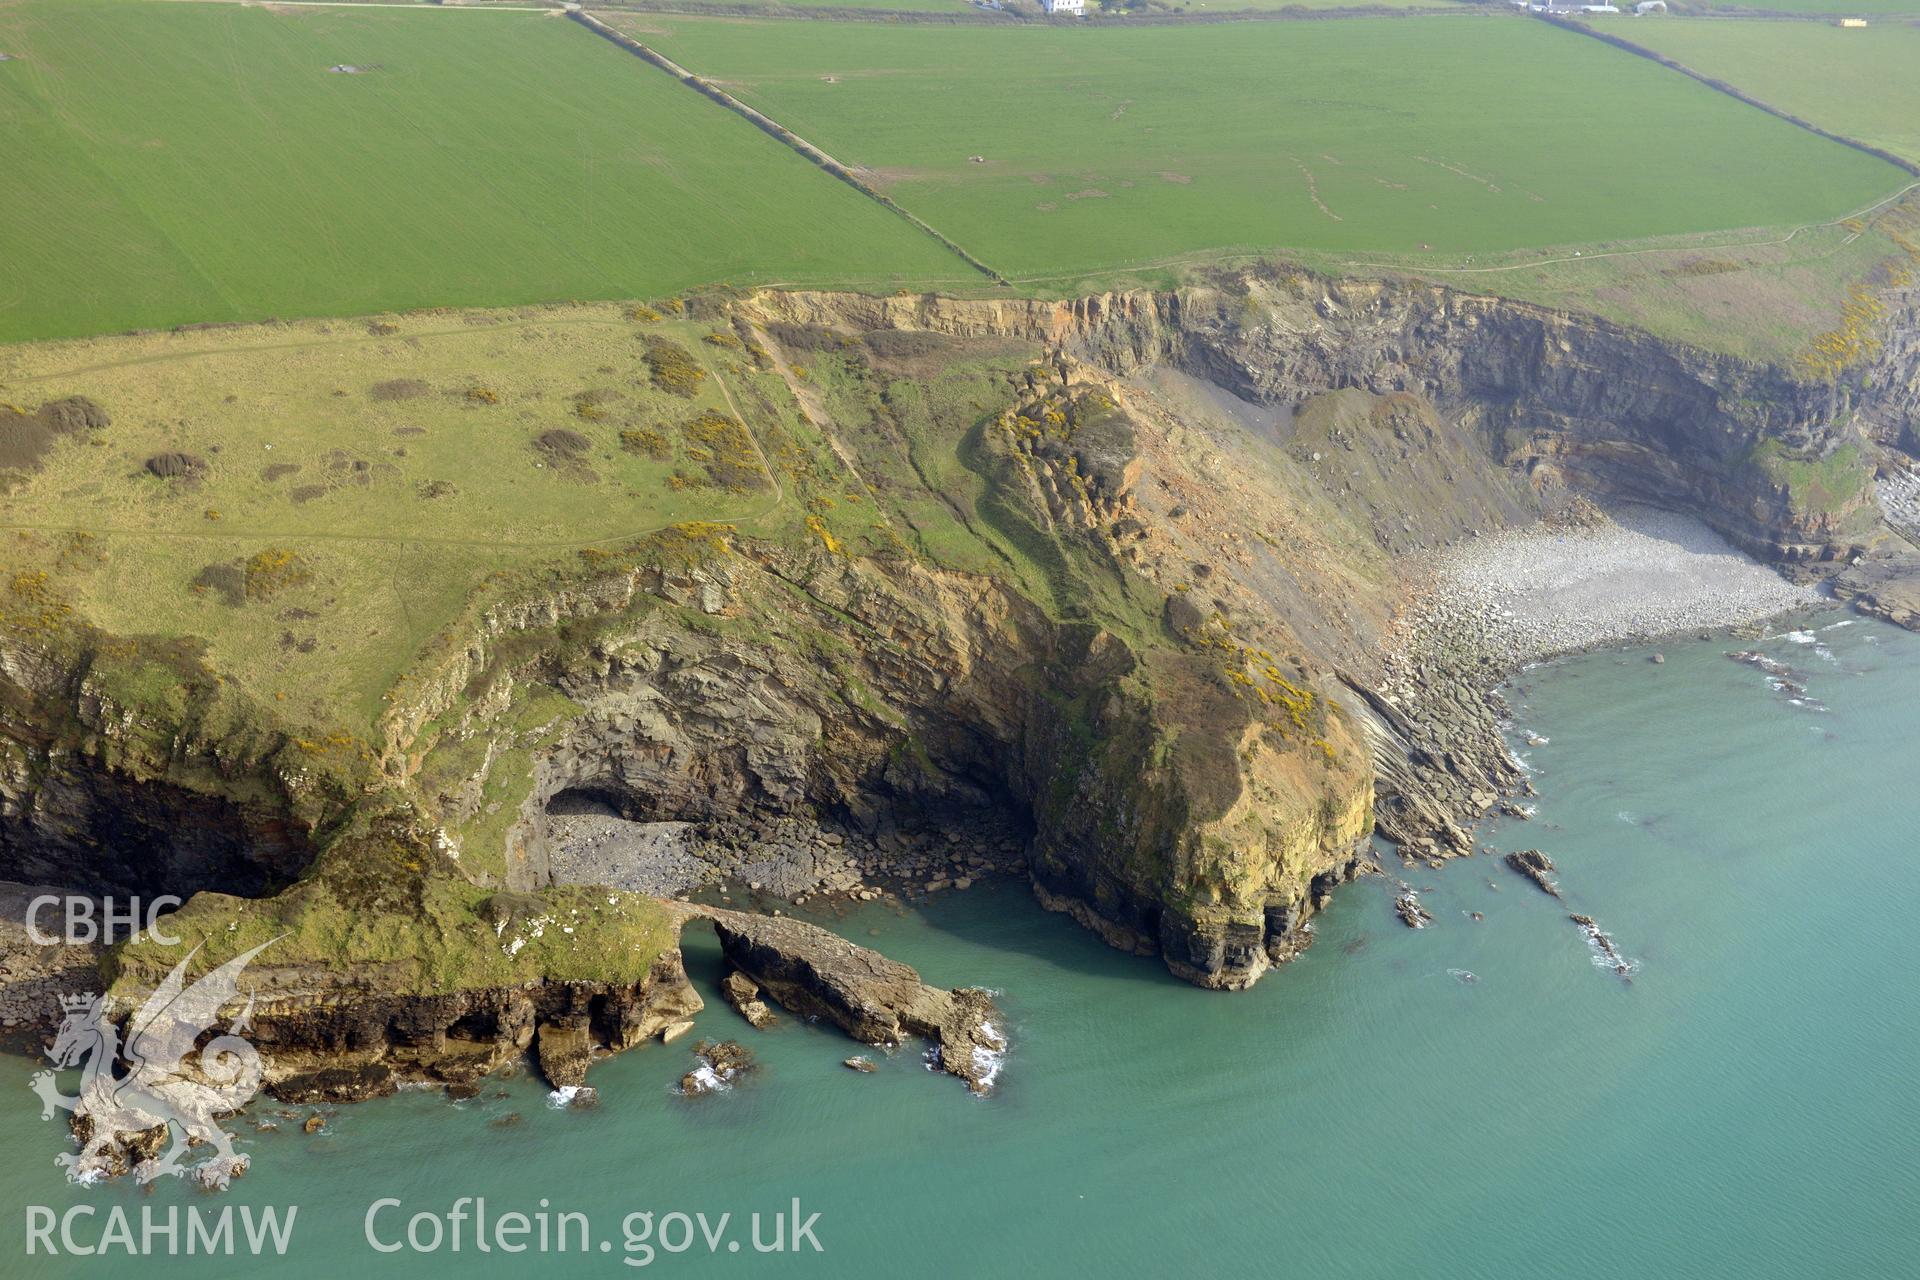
point(815, 411)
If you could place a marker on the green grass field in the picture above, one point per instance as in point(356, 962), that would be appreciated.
point(401, 468)
point(1865, 84)
point(878, 6)
point(1213, 8)
point(1157, 8)
point(171, 162)
point(1838, 8)
point(1113, 149)
point(1763, 297)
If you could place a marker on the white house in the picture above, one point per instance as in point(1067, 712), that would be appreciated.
point(1077, 8)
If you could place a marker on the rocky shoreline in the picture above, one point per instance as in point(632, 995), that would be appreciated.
point(792, 720)
point(1587, 578)
point(783, 858)
point(1486, 608)
point(33, 976)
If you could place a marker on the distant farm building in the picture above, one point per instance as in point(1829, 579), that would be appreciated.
point(1853, 22)
point(1651, 6)
point(1077, 8)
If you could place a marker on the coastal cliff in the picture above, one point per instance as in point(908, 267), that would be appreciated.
point(1127, 585)
point(1768, 456)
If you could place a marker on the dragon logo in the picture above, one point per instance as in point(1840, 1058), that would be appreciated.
point(165, 1092)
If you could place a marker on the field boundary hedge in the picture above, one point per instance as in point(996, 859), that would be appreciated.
point(1732, 91)
point(780, 132)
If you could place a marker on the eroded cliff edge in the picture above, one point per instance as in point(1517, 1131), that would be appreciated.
point(1132, 560)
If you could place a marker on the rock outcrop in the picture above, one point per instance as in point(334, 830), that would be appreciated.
point(1888, 589)
point(324, 1042)
point(1537, 867)
point(875, 1000)
point(1412, 914)
point(719, 1064)
point(742, 994)
point(1160, 668)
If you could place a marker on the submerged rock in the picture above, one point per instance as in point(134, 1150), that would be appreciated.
point(1603, 944)
point(1535, 866)
point(861, 1064)
point(720, 1063)
point(1407, 907)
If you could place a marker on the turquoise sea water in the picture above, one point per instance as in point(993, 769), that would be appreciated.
point(1745, 1108)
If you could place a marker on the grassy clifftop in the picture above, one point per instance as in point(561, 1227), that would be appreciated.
point(315, 501)
point(383, 550)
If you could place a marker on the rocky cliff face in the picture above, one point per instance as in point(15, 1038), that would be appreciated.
point(101, 794)
point(1172, 702)
point(1162, 813)
point(1576, 402)
point(1415, 415)
point(1571, 400)
point(1888, 397)
point(321, 1044)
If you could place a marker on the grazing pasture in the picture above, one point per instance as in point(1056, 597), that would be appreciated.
point(1864, 84)
point(172, 162)
point(316, 500)
point(1057, 154)
point(1837, 8)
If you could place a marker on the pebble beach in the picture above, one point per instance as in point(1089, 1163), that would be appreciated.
point(1629, 575)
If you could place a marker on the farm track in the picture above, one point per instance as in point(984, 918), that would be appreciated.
point(320, 535)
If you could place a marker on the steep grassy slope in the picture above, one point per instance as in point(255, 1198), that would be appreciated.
point(184, 162)
point(472, 572)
